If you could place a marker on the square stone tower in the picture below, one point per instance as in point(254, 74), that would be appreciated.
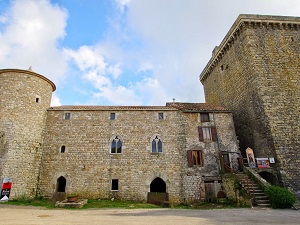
point(255, 72)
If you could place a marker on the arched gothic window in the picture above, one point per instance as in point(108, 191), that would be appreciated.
point(116, 145)
point(156, 145)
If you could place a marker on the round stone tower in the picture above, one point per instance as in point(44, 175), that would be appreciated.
point(25, 97)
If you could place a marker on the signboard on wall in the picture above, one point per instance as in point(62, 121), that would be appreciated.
point(5, 189)
point(250, 158)
point(263, 162)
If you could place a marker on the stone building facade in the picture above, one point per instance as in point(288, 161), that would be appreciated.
point(255, 72)
point(24, 99)
point(121, 152)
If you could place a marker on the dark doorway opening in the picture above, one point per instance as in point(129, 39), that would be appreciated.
point(158, 192)
point(271, 178)
point(61, 184)
point(226, 162)
point(158, 185)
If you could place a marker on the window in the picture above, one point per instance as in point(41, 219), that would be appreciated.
point(195, 158)
point(67, 116)
point(207, 133)
point(156, 145)
point(114, 184)
point(160, 116)
point(62, 149)
point(112, 116)
point(116, 145)
point(204, 117)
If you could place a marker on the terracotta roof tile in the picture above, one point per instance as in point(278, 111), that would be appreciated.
point(101, 108)
point(169, 106)
point(195, 106)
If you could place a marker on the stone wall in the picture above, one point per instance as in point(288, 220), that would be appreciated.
point(89, 167)
point(255, 73)
point(194, 177)
point(25, 96)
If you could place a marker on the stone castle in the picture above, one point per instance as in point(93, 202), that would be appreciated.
point(123, 152)
point(255, 72)
point(132, 152)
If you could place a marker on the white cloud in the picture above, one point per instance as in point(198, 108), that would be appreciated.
point(101, 73)
point(86, 58)
point(119, 95)
point(178, 37)
point(55, 101)
point(29, 36)
point(151, 52)
point(122, 4)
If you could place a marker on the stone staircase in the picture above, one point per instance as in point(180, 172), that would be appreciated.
point(252, 188)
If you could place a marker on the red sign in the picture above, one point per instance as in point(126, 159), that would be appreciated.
point(5, 189)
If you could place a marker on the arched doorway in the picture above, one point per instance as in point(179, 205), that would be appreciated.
point(158, 185)
point(61, 184)
point(158, 192)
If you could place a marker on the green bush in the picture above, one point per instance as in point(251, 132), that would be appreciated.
point(280, 198)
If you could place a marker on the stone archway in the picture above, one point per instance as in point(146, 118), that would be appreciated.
point(61, 184)
point(158, 192)
point(158, 185)
point(60, 192)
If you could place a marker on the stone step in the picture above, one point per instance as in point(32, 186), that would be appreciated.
point(251, 187)
point(262, 197)
point(256, 191)
point(262, 201)
point(264, 205)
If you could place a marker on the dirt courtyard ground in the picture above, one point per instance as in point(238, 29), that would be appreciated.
point(17, 215)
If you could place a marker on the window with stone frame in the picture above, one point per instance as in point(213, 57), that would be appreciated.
point(204, 117)
point(207, 133)
point(116, 145)
point(67, 115)
point(195, 158)
point(156, 145)
point(161, 116)
point(62, 149)
point(112, 116)
point(115, 184)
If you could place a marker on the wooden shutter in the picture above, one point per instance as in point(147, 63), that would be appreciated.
point(200, 132)
point(190, 158)
point(214, 134)
point(201, 158)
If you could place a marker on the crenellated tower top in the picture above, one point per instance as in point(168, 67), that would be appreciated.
point(243, 22)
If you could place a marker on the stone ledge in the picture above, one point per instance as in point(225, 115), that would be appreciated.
point(65, 204)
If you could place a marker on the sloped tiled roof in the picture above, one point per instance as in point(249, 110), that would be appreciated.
point(184, 106)
point(170, 106)
point(104, 108)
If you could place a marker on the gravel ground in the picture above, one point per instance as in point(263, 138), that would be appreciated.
point(17, 215)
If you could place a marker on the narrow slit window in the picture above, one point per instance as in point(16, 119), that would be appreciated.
point(63, 149)
point(114, 184)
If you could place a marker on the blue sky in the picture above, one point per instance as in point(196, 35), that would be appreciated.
point(122, 52)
